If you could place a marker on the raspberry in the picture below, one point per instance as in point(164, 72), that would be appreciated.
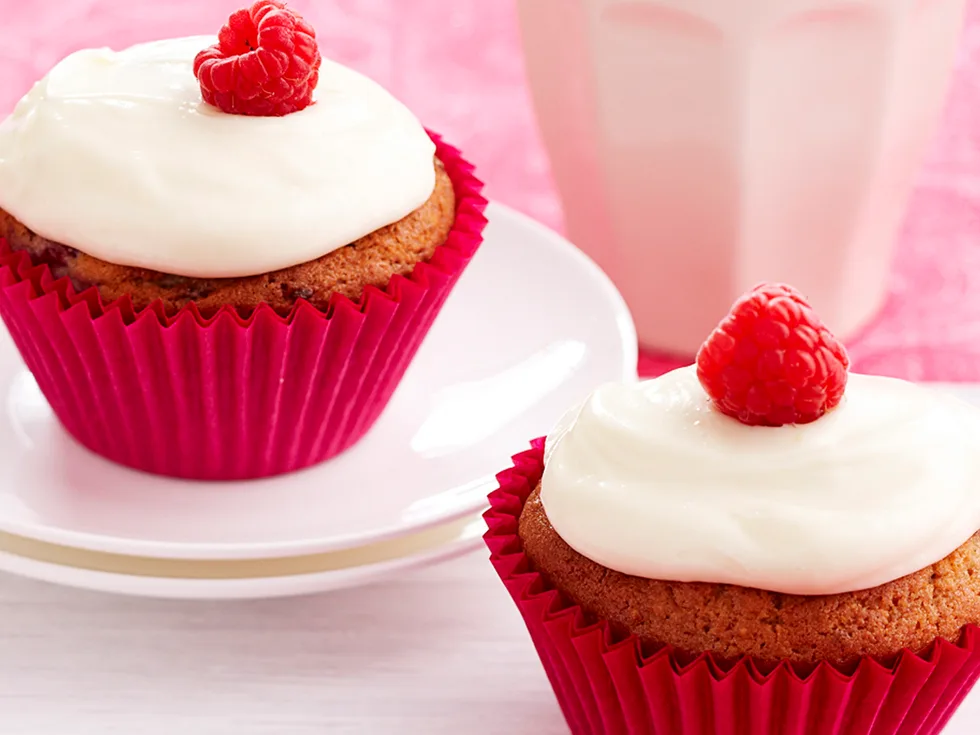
point(266, 62)
point(772, 361)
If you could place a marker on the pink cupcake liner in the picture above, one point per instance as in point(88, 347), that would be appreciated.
point(607, 686)
point(227, 398)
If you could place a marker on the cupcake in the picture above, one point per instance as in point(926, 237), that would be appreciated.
point(758, 543)
point(220, 255)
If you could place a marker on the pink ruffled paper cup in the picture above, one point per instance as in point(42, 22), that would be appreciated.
point(228, 398)
point(610, 686)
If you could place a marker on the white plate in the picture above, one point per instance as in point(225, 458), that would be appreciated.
point(532, 327)
point(183, 579)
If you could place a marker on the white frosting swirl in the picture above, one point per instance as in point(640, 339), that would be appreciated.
point(650, 480)
point(117, 155)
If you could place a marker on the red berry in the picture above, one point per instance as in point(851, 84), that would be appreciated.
point(772, 361)
point(266, 62)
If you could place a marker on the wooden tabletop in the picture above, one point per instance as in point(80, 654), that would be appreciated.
point(441, 651)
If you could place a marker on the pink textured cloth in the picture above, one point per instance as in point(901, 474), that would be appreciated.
point(458, 65)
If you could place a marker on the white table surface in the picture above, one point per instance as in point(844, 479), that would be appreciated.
point(441, 651)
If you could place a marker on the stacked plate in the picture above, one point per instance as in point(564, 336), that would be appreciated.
point(532, 327)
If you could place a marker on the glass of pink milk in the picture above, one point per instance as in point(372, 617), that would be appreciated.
point(703, 146)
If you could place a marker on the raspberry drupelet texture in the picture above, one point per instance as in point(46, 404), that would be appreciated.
point(771, 361)
point(266, 62)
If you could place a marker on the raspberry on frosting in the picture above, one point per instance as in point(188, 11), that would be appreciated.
point(771, 361)
point(266, 62)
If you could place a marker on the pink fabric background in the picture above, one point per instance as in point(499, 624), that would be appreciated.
point(457, 64)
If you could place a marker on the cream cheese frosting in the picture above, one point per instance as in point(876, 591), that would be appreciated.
point(650, 480)
point(117, 155)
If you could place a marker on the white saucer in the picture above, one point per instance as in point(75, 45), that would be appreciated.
point(532, 327)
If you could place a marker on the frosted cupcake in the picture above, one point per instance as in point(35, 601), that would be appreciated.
point(759, 542)
point(221, 254)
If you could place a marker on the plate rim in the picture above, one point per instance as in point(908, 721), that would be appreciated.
point(468, 539)
point(496, 211)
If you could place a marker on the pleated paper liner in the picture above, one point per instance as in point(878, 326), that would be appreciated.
point(228, 398)
point(608, 686)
